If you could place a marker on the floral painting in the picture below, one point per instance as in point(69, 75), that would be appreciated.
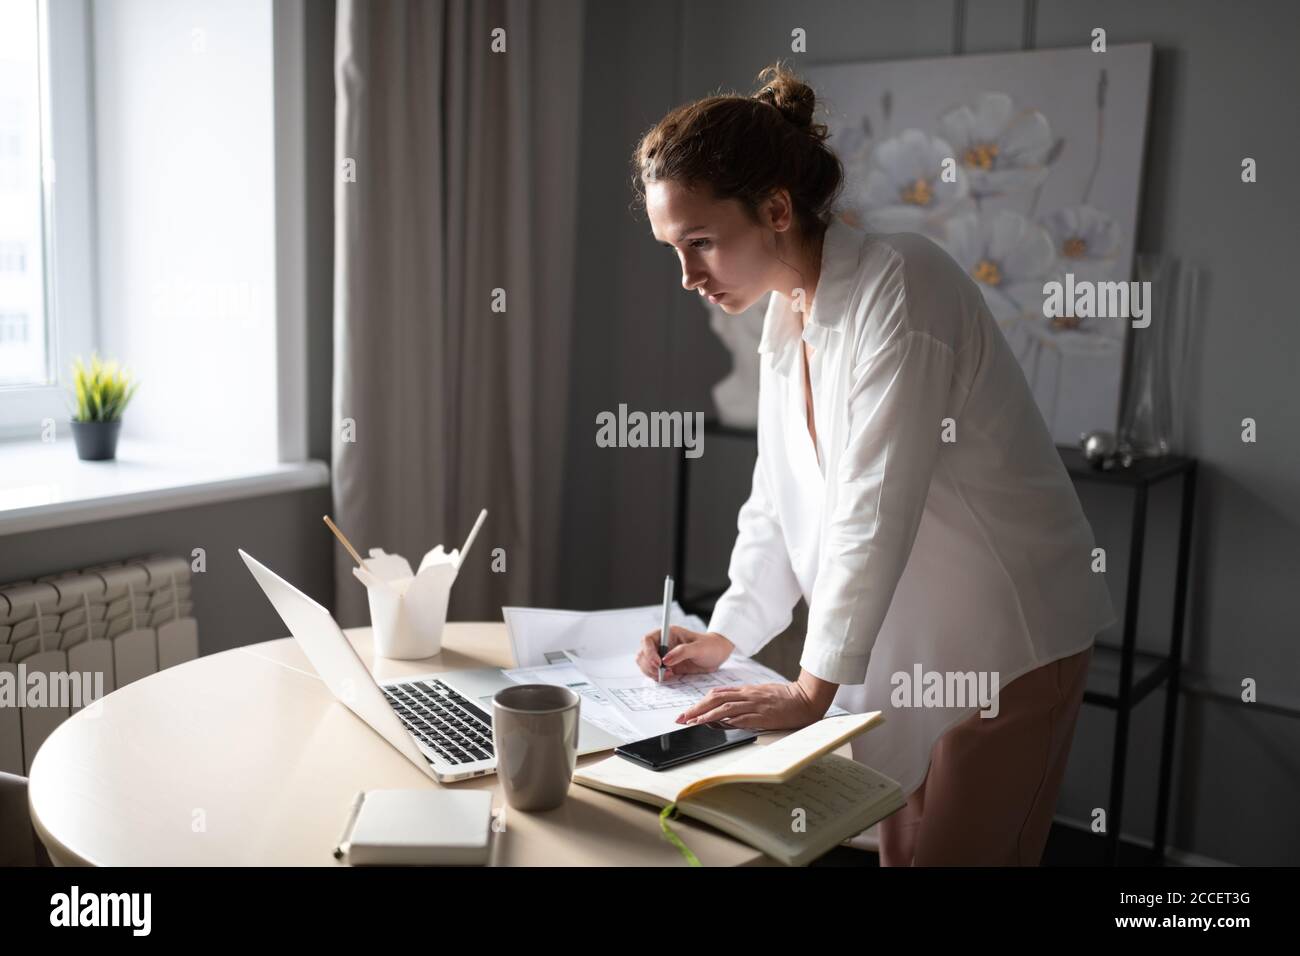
point(1025, 167)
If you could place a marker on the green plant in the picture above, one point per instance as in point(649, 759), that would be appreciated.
point(102, 391)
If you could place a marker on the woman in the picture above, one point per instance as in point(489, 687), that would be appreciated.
point(906, 487)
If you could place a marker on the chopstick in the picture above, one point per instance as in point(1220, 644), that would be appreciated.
point(346, 543)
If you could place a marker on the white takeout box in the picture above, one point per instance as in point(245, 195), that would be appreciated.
point(408, 610)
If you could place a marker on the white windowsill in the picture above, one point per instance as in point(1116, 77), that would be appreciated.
point(45, 485)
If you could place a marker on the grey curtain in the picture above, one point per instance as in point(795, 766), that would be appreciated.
point(465, 182)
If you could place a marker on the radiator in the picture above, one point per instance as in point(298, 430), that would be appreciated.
point(67, 638)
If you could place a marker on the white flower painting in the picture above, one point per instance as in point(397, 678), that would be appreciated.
point(1026, 168)
point(1002, 151)
point(902, 187)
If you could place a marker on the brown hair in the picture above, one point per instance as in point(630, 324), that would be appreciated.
point(743, 147)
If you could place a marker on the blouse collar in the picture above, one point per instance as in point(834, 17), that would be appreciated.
point(841, 256)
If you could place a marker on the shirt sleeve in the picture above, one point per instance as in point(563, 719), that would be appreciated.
point(897, 401)
point(759, 603)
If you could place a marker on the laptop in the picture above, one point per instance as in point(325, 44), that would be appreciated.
point(441, 722)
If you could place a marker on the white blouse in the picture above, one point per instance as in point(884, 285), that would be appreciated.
point(964, 555)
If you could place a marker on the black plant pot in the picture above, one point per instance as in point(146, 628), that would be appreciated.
point(96, 441)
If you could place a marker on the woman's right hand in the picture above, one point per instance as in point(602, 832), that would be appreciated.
point(689, 652)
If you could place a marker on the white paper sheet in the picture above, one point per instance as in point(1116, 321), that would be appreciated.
point(651, 707)
point(541, 636)
point(596, 705)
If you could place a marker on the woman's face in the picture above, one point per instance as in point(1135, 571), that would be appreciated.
point(725, 255)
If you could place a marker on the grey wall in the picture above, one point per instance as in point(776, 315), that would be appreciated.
point(231, 609)
point(1222, 89)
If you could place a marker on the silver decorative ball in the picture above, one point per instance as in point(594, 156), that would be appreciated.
point(1098, 446)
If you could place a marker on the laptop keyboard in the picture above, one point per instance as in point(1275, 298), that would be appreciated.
point(443, 720)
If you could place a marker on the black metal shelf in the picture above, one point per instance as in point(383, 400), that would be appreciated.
point(1120, 675)
point(1149, 671)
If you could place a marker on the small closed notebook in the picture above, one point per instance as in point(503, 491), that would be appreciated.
point(418, 828)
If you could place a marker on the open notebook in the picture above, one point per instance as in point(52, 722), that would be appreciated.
point(793, 799)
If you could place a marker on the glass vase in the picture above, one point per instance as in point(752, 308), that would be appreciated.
point(1151, 418)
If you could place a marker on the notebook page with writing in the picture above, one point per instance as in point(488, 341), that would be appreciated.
point(784, 758)
point(804, 817)
point(771, 763)
point(793, 799)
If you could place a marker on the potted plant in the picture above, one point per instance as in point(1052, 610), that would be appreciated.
point(102, 393)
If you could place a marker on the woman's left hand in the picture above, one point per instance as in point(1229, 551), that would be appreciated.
point(786, 706)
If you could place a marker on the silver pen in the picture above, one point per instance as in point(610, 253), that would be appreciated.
point(663, 638)
point(341, 848)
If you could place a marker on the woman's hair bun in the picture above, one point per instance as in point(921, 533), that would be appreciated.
point(789, 94)
point(746, 147)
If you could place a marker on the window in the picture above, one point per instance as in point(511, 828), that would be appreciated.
point(47, 266)
point(162, 238)
point(24, 316)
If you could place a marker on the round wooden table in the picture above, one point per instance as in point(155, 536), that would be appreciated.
point(245, 758)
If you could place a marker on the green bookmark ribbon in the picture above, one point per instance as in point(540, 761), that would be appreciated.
point(670, 812)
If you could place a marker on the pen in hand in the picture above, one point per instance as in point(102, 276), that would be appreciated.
point(663, 638)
